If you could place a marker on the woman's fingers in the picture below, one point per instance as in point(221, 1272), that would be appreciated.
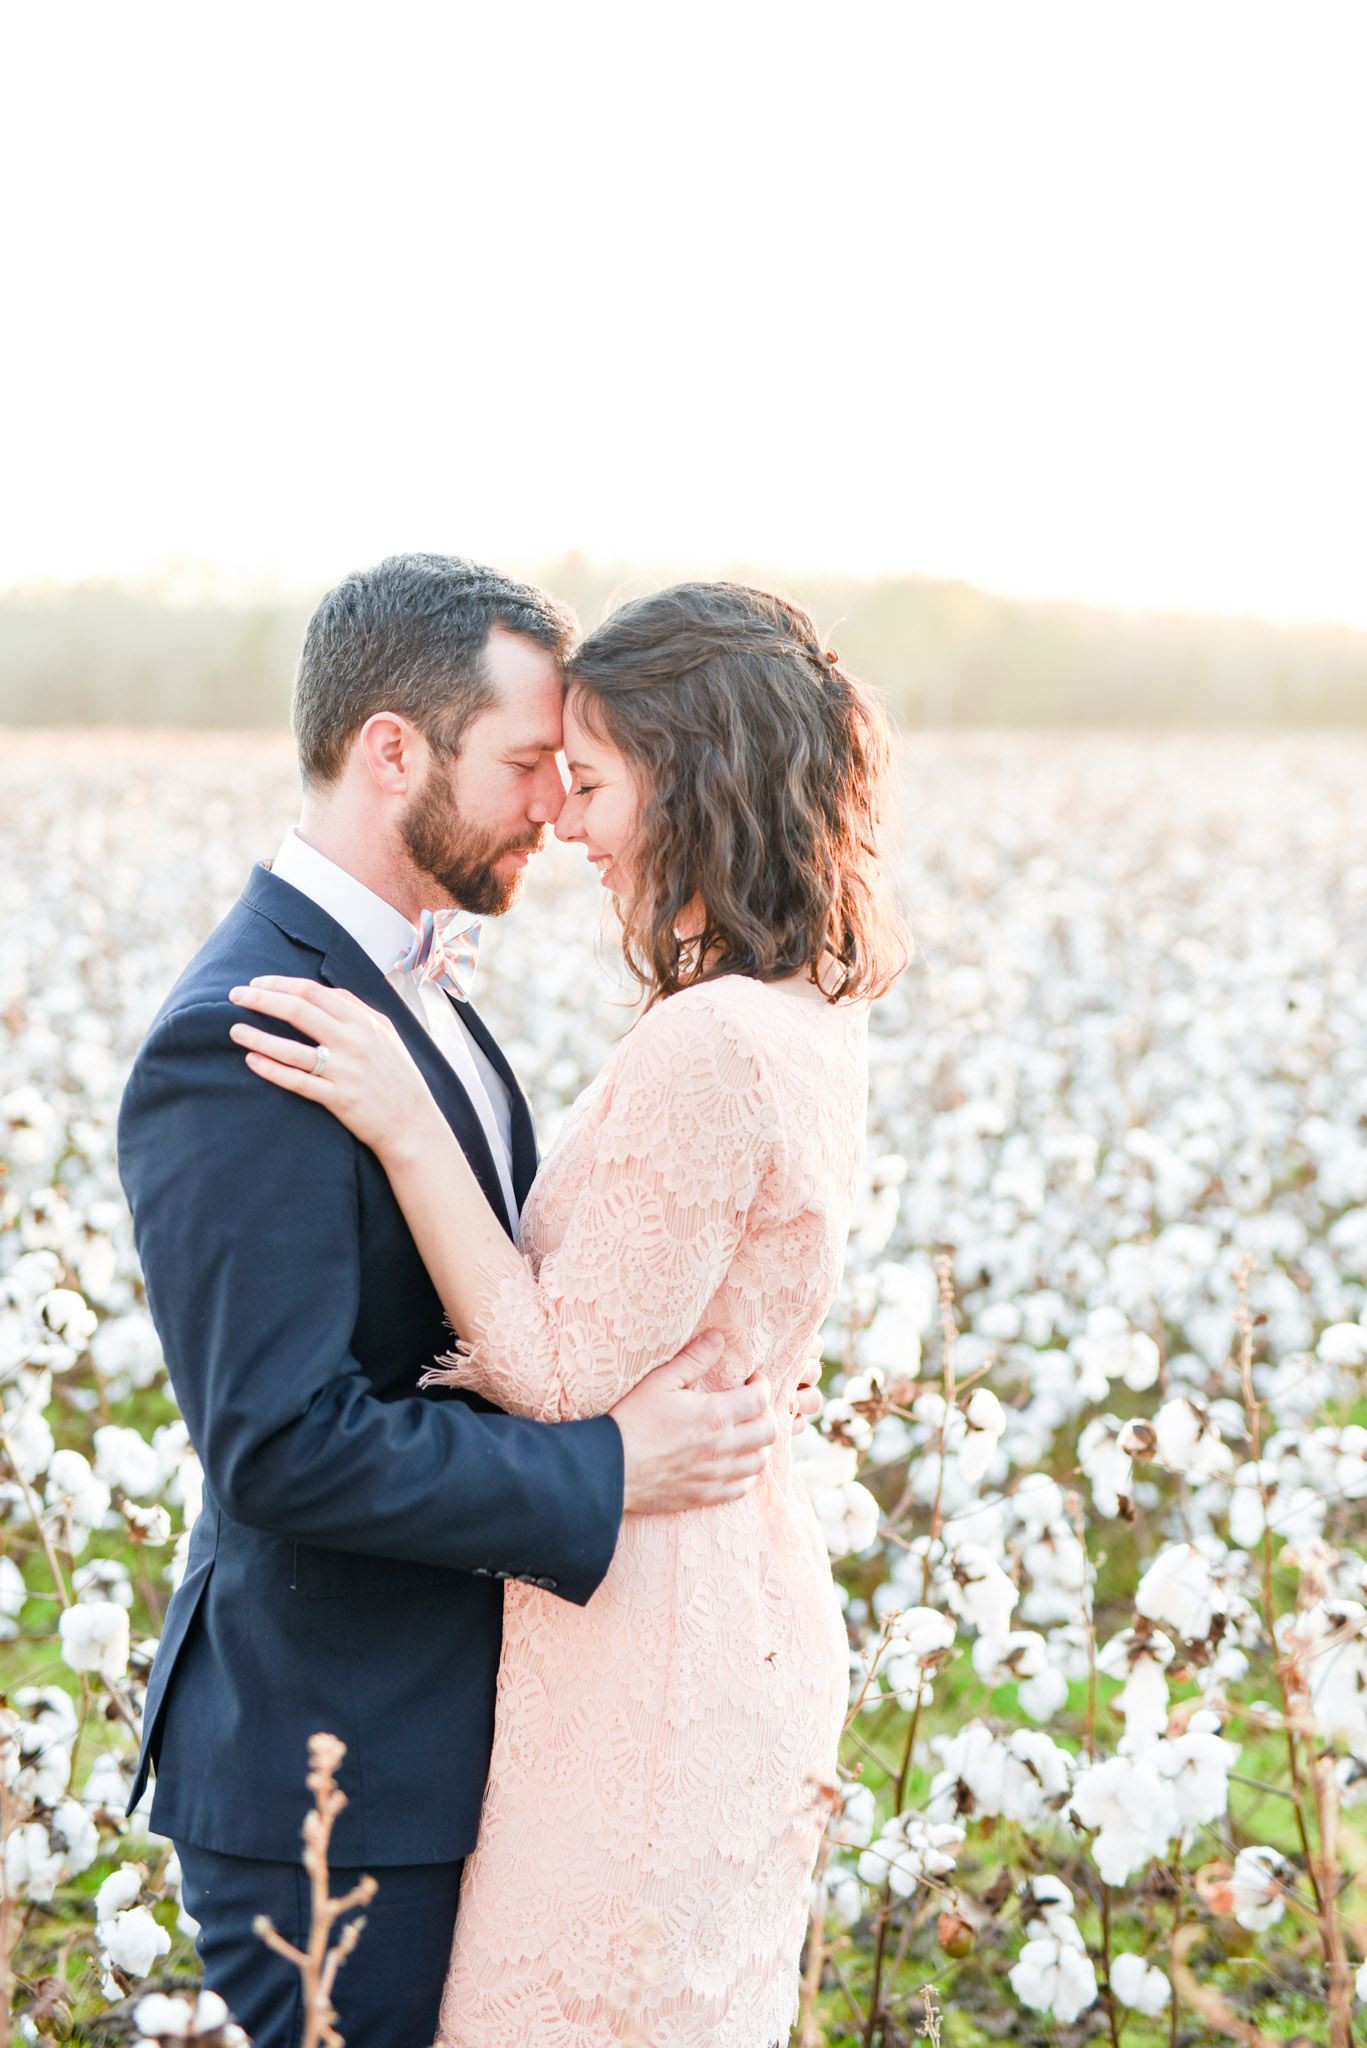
point(287, 1051)
point(337, 1000)
point(292, 1079)
point(300, 1002)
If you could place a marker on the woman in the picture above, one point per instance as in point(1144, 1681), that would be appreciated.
point(656, 1792)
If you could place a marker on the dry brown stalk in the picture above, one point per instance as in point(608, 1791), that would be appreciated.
point(318, 1964)
point(1204, 1998)
point(1329, 1881)
point(949, 1331)
point(811, 2033)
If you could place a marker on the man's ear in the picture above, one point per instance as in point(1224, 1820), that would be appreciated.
point(394, 753)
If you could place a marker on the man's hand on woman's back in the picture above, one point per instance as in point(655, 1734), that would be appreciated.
point(685, 1447)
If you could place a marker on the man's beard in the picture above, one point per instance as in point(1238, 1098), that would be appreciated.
point(459, 858)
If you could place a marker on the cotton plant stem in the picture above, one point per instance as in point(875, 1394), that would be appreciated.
point(1106, 1961)
point(41, 1526)
point(1335, 1950)
point(1204, 1998)
point(811, 2033)
point(318, 1964)
point(949, 1330)
point(1252, 1408)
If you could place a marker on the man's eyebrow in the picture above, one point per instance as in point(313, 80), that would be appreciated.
point(536, 745)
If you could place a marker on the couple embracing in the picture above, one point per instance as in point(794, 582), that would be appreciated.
point(551, 1579)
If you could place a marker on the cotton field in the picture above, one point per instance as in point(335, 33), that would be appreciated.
point(1093, 1463)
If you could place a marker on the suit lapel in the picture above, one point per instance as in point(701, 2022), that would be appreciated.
point(524, 1130)
point(346, 965)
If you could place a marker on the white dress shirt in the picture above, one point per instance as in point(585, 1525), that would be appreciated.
point(383, 933)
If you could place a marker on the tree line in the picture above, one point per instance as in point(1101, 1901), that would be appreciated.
point(941, 653)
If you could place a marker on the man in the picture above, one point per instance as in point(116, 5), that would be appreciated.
point(345, 1573)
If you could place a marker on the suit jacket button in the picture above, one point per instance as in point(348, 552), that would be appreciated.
point(480, 1571)
point(546, 1585)
point(502, 1575)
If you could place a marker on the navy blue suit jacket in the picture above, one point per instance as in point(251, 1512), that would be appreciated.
point(345, 1571)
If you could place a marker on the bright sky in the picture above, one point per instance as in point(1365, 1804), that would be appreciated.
point(1061, 298)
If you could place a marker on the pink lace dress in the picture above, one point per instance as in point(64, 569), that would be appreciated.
point(655, 1797)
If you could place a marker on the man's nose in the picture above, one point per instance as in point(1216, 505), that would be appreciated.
point(548, 797)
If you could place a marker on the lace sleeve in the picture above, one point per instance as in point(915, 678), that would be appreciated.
point(679, 1156)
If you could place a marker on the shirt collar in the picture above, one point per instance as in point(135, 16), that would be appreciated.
point(378, 928)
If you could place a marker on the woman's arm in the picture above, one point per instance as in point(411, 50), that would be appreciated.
point(371, 1083)
point(683, 1146)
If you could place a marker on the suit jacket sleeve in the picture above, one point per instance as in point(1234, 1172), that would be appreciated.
point(247, 1206)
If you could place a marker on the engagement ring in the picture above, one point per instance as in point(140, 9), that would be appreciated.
point(320, 1062)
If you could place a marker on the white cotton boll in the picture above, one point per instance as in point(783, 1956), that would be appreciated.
point(133, 1940)
point(983, 1522)
point(104, 1579)
point(69, 1317)
point(819, 1462)
point(174, 1572)
point(1052, 1975)
point(1343, 1344)
point(95, 1638)
point(1044, 1695)
point(1197, 1765)
point(105, 1784)
point(1021, 1777)
point(72, 1825)
point(852, 1827)
point(921, 1631)
point(985, 1420)
point(849, 1517)
point(13, 1594)
point(1255, 1888)
point(1037, 1502)
point(1297, 1515)
point(75, 1492)
point(124, 1459)
point(979, 1590)
point(1338, 1672)
point(910, 1849)
point(35, 1274)
point(31, 1441)
point(1188, 1440)
point(165, 2018)
point(837, 1891)
point(1137, 1985)
point(839, 1418)
point(1143, 1702)
point(1247, 1512)
point(32, 1867)
point(1133, 1810)
point(211, 2013)
point(1021, 1655)
point(1107, 1467)
point(1035, 1777)
point(1178, 1590)
point(1143, 1363)
point(45, 1741)
point(973, 1760)
point(148, 1525)
point(1049, 1893)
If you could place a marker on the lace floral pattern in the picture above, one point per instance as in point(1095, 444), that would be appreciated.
point(655, 1796)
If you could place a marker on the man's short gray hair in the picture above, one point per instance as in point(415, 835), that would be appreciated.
point(409, 636)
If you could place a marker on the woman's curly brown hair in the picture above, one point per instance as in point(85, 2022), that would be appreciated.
point(764, 767)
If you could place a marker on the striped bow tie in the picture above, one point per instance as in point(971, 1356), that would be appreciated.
point(444, 950)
